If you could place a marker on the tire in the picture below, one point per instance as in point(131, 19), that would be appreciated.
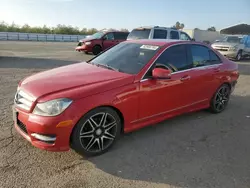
point(97, 49)
point(238, 56)
point(220, 99)
point(86, 52)
point(96, 132)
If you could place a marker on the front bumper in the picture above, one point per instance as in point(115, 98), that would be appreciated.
point(43, 132)
point(229, 54)
point(85, 48)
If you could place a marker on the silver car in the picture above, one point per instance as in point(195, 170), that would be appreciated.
point(234, 46)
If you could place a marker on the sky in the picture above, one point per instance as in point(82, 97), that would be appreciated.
point(126, 13)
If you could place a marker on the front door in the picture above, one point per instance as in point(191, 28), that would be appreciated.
point(108, 41)
point(160, 96)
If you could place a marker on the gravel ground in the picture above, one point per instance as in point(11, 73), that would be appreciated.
point(194, 150)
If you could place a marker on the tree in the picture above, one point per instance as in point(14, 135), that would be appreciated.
point(59, 29)
point(179, 25)
point(211, 29)
point(124, 30)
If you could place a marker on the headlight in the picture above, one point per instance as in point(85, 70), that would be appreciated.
point(87, 43)
point(52, 108)
point(233, 48)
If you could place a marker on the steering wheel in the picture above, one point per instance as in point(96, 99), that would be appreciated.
point(169, 66)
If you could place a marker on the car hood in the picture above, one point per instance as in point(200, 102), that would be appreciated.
point(224, 44)
point(71, 77)
point(87, 39)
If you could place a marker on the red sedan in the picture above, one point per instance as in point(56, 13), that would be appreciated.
point(88, 105)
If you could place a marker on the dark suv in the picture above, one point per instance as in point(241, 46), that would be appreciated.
point(101, 41)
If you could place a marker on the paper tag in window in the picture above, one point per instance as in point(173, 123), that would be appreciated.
point(149, 47)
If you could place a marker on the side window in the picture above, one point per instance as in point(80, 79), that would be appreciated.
point(184, 36)
point(214, 59)
point(160, 34)
point(175, 58)
point(248, 42)
point(174, 35)
point(120, 36)
point(109, 36)
point(202, 56)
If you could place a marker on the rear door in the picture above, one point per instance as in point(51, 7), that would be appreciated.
point(206, 71)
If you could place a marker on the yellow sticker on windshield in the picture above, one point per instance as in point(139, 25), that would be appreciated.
point(149, 47)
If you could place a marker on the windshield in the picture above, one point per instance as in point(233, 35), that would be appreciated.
point(139, 34)
point(129, 58)
point(97, 35)
point(232, 39)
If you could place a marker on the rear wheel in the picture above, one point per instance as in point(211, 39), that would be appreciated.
point(96, 132)
point(220, 99)
point(97, 49)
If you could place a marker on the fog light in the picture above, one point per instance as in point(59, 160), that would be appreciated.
point(45, 138)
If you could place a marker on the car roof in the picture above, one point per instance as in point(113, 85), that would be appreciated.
point(154, 27)
point(159, 42)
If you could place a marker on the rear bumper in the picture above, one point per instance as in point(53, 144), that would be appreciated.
point(43, 132)
point(233, 84)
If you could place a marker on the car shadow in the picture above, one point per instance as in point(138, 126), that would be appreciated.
point(32, 63)
point(194, 150)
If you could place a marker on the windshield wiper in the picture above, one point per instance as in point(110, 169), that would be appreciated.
point(107, 66)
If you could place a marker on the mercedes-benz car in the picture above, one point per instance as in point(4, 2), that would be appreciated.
point(88, 105)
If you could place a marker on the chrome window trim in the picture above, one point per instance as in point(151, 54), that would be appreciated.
point(194, 68)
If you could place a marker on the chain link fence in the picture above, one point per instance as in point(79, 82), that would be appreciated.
point(39, 37)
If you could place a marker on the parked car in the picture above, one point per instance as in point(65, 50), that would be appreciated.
point(234, 46)
point(157, 32)
point(129, 86)
point(101, 41)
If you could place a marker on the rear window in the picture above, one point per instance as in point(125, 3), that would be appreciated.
point(139, 34)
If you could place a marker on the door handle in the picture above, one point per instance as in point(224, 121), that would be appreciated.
point(185, 78)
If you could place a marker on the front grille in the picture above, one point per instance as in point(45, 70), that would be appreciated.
point(23, 100)
point(80, 44)
point(219, 48)
point(22, 126)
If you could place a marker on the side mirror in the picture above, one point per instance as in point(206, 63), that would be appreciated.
point(160, 73)
point(192, 39)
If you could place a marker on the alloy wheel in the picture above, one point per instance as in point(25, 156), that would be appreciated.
point(222, 98)
point(98, 132)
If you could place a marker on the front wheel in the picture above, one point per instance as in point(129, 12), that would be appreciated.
point(96, 132)
point(97, 49)
point(220, 99)
point(239, 56)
